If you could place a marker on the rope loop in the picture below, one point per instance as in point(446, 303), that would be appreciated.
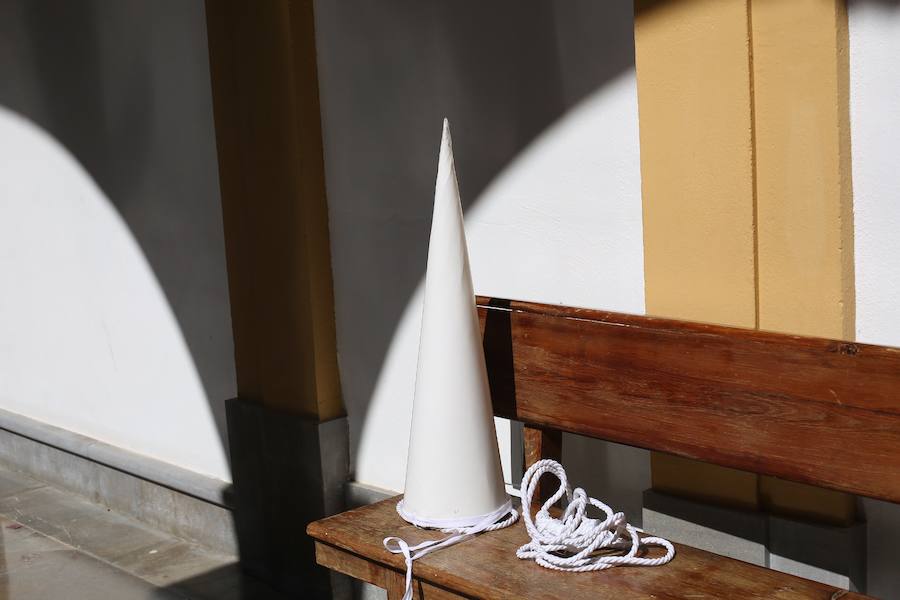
point(571, 542)
point(505, 516)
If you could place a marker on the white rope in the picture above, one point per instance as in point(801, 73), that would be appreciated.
point(457, 525)
point(565, 544)
point(489, 522)
point(570, 543)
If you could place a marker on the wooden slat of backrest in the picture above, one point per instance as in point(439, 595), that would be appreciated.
point(806, 409)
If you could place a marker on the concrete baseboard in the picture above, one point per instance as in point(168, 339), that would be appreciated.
point(730, 532)
point(287, 471)
point(166, 497)
point(360, 494)
point(830, 554)
point(825, 553)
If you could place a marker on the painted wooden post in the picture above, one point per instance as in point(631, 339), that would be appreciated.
point(288, 443)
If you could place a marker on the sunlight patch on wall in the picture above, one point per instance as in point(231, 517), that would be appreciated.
point(88, 341)
point(875, 129)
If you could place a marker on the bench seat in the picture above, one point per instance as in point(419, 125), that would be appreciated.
point(486, 567)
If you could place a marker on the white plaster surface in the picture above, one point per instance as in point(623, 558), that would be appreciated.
point(87, 339)
point(543, 109)
point(114, 318)
point(875, 131)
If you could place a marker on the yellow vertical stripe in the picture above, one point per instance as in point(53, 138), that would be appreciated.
point(745, 162)
point(694, 100)
point(693, 78)
point(275, 214)
point(804, 200)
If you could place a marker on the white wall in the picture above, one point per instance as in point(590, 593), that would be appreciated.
point(544, 118)
point(114, 318)
point(543, 108)
point(875, 131)
point(875, 119)
point(114, 313)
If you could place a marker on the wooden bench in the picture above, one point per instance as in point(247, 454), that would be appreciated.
point(811, 410)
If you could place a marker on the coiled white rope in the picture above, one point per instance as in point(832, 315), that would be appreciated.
point(491, 522)
point(570, 542)
point(565, 544)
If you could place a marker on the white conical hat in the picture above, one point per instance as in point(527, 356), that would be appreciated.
point(453, 475)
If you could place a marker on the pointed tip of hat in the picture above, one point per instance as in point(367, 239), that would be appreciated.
point(445, 157)
point(446, 140)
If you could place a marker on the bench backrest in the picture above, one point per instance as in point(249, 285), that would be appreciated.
point(812, 410)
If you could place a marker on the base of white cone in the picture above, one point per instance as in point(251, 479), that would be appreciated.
point(455, 523)
point(458, 530)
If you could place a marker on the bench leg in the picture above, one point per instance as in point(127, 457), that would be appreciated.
point(395, 584)
point(378, 575)
point(542, 443)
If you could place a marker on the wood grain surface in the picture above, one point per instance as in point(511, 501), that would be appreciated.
point(542, 443)
point(812, 410)
point(486, 567)
point(807, 409)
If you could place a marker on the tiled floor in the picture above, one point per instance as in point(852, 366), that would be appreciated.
point(55, 545)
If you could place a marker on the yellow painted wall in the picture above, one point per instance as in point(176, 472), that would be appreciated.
point(804, 197)
point(695, 107)
point(275, 214)
point(696, 160)
point(745, 165)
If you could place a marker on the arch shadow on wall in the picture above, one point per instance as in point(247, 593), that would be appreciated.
point(515, 83)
